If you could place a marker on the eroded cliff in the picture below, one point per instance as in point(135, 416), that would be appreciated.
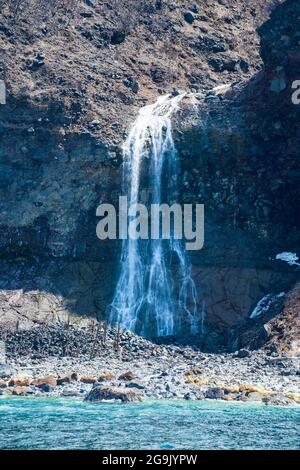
point(73, 89)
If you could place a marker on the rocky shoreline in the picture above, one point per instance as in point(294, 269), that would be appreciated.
point(126, 367)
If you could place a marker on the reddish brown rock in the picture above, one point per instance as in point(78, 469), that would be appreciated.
point(48, 380)
point(105, 376)
point(64, 380)
point(88, 379)
point(127, 376)
point(19, 382)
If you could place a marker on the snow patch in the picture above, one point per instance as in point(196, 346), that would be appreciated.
point(290, 258)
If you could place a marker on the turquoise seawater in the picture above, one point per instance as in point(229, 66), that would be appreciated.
point(43, 423)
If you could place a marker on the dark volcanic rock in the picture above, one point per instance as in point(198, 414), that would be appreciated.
point(214, 393)
point(104, 393)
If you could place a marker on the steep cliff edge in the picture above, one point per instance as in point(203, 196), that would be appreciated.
point(73, 91)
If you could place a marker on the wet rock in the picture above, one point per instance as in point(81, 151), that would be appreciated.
point(110, 393)
point(278, 400)
point(137, 385)
point(230, 397)
point(46, 388)
point(198, 395)
point(242, 397)
point(187, 396)
point(70, 393)
point(3, 383)
point(214, 393)
point(88, 379)
point(254, 396)
point(22, 391)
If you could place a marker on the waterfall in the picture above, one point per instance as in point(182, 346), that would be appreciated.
point(155, 293)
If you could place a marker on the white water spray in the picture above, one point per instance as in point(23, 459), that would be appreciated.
point(150, 299)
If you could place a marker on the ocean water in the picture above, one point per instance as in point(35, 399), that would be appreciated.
point(54, 423)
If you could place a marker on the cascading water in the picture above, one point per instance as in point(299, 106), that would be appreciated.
point(155, 293)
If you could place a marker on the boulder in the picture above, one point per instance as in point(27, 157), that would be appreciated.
point(127, 376)
point(278, 400)
point(113, 393)
point(246, 388)
point(230, 397)
point(64, 380)
point(199, 395)
point(137, 385)
point(189, 17)
point(47, 380)
point(19, 382)
point(242, 397)
point(88, 379)
point(70, 393)
point(118, 37)
point(214, 393)
point(254, 396)
point(46, 388)
point(105, 376)
point(22, 391)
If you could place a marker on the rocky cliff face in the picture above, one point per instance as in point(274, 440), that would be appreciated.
point(73, 90)
point(240, 156)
